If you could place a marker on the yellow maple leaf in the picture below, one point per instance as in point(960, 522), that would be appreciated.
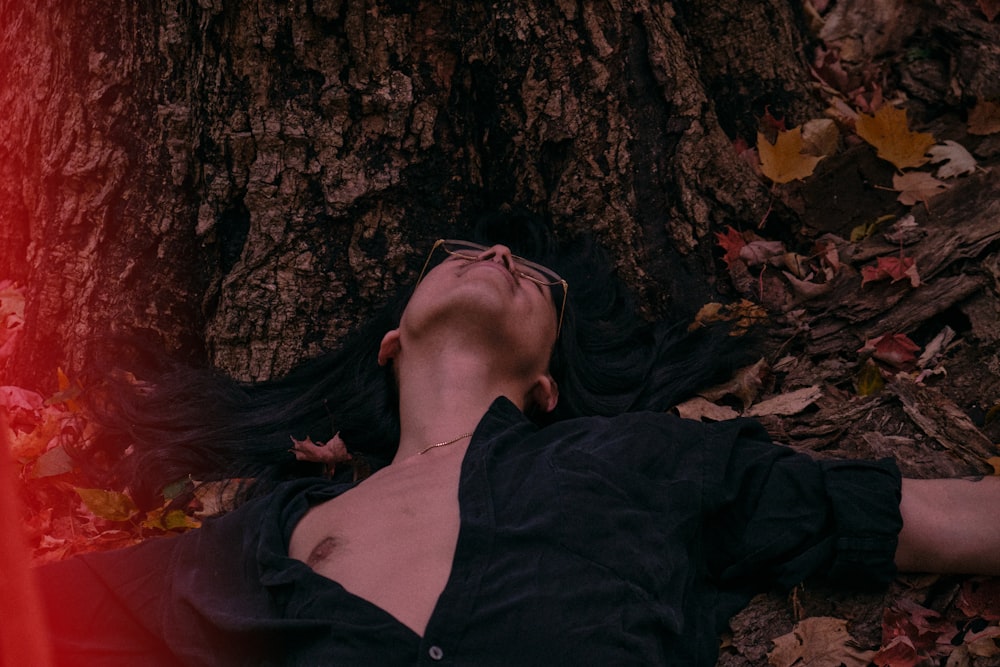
point(889, 132)
point(783, 161)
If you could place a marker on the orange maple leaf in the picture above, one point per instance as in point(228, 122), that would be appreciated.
point(783, 161)
point(889, 132)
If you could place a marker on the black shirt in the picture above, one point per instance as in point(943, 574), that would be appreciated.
point(611, 541)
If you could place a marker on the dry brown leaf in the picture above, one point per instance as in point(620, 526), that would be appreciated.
point(805, 289)
point(984, 118)
point(889, 132)
point(745, 385)
point(790, 403)
point(916, 186)
point(701, 409)
point(783, 161)
point(818, 641)
point(743, 314)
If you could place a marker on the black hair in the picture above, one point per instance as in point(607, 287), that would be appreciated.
point(166, 421)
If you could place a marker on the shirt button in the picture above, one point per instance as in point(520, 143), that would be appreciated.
point(435, 652)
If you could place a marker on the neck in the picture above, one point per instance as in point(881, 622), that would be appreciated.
point(443, 396)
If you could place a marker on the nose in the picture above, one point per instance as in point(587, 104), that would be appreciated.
point(500, 254)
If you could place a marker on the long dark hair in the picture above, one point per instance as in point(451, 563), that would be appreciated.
point(179, 421)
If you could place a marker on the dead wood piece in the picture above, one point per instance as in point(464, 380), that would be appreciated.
point(824, 430)
point(963, 224)
point(875, 313)
point(945, 423)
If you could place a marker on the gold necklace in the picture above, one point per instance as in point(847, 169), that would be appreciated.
point(445, 443)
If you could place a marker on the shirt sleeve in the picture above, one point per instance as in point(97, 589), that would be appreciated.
point(776, 516)
point(193, 599)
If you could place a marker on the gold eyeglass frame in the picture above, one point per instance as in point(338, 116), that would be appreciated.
point(518, 261)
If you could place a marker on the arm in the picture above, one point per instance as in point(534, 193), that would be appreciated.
point(950, 526)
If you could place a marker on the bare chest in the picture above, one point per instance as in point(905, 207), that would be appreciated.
point(390, 541)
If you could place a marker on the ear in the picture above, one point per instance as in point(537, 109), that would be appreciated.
point(389, 348)
point(545, 394)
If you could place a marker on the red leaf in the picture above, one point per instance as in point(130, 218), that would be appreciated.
point(922, 628)
point(895, 349)
point(900, 652)
point(732, 242)
point(980, 597)
point(895, 268)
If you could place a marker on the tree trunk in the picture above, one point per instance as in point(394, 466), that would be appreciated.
point(246, 181)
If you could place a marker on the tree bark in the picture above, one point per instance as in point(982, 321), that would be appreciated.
point(246, 181)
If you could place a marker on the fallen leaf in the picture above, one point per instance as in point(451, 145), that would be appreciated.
point(700, 409)
point(797, 265)
point(889, 132)
point(957, 160)
point(899, 652)
point(863, 231)
point(17, 398)
point(820, 137)
point(330, 453)
point(747, 153)
point(732, 242)
point(790, 403)
point(805, 289)
point(110, 505)
point(935, 349)
point(990, 8)
point(916, 186)
point(896, 349)
point(995, 462)
point(745, 384)
point(895, 268)
point(869, 380)
point(818, 641)
point(924, 628)
point(783, 161)
point(54, 462)
point(760, 252)
point(984, 118)
point(743, 314)
point(983, 644)
point(980, 597)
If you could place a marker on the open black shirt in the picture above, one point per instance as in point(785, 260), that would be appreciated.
point(605, 541)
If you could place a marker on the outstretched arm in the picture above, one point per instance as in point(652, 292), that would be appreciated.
point(950, 526)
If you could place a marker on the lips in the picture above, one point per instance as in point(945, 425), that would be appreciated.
point(495, 266)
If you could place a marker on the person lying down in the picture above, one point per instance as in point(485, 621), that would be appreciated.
point(516, 492)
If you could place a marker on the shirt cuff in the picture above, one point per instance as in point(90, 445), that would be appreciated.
point(865, 498)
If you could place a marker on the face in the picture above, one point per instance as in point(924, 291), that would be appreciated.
point(490, 295)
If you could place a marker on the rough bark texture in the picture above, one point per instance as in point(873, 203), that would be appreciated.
point(245, 181)
point(254, 176)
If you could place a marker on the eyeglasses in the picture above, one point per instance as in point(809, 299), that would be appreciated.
point(523, 268)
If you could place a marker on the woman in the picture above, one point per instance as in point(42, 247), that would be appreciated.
point(512, 526)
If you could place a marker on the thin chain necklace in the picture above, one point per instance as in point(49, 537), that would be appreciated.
point(446, 442)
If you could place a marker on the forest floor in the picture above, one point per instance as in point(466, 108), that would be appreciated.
point(884, 319)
